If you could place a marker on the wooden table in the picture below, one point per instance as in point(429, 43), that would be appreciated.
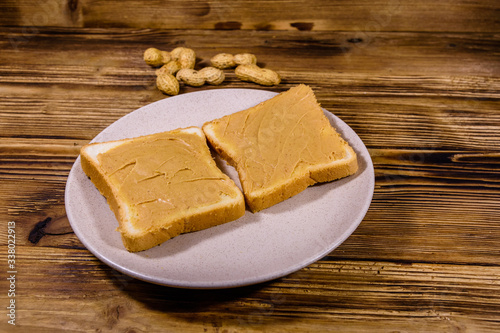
point(419, 81)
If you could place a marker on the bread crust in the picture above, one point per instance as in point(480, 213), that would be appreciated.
point(194, 219)
point(266, 197)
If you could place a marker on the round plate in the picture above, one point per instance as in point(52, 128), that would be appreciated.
point(255, 248)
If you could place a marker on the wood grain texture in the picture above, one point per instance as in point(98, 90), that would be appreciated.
point(114, 56)
point(77, 87)
point(316, 15)
point(412, 218)
point(340, 295)
point(419, 82)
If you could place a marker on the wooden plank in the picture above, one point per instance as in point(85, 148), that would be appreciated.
point(95, 56)
point(318, 15)
point(59, 112)
point(376, 89)
point(39, 13)
point(425, 204)
point(41, 159)
point(397, 119)
point(339, 294)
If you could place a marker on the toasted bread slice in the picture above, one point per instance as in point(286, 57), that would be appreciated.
point(281, 146)
point(162, 185)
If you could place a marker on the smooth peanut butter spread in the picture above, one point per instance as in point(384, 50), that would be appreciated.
point(165, 173)
point(280, 137)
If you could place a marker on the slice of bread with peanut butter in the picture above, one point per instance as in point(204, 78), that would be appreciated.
point(162, 185)
point(281, 146)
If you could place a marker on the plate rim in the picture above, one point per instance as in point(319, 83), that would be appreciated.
point(225, 284)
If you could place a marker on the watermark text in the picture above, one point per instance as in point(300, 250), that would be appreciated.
point(11, 272)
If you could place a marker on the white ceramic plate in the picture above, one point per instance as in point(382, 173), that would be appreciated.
point(255, 248)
